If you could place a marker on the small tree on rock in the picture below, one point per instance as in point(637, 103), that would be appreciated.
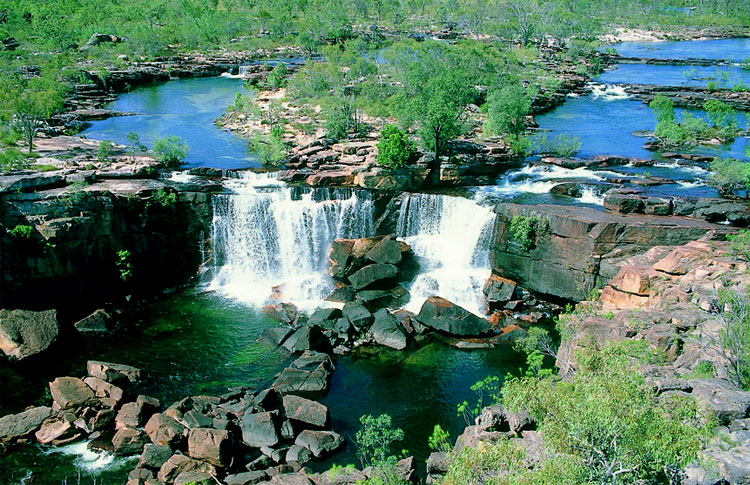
point(395, 149)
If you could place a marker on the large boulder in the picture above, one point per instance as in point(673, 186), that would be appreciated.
point(114, 373)
point(163, 430)
point(71, 392)
point(211, 445)
point(319, 442)
point(440, 314)
point(14, 426)
point(129, 441)
point(309, 337)
point(722, 399)
point(387, 331)
point(305, 411)
point(498, 289)
point(371, 274)
point(97, 322)
point(357, 314)
point(178, 464)
point(154, 456)
point(387, 251)
point(58, 431)
point(260, 429)
point(24, 333)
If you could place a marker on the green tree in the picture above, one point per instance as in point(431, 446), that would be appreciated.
point(342, 118)
point(734, 337)
point(277, 77)
point(170, 150)
point(36, 102)
point(375, 439)
point(104, 151)
point(506, 110)
point(732, 176)
point(394, 149)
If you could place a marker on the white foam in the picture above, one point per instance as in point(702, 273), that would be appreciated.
point(92, 461)
point(590, 196)
point(608, 92)
point(180, 176)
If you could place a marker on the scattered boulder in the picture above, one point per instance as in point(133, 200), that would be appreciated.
point(319, 442)
point(440, 314)
point(15, 426)
point(113, 373)
point(103, 388)
point(260, 429)
point(71, 392)
point(97, 322)
point(154, 456)
point(387, 331)
point(163, 430)
point(498, 289)
point(371, 274)
point(178, 464)
point(129, 441)
point(211, 445)
point(305, 411)
point(357, 314)
point(24, 333)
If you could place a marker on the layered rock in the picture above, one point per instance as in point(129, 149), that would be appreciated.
point(24, 333)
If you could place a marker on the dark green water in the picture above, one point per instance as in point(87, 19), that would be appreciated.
point(193, 343)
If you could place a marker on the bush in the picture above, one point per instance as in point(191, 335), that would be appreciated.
point(734, 336)
point(733, 176)
point(12, 159)
point(170, 150)
point(104, 152)
point(269, 149)
point(394, 149)
point(739, 244)
point(277, 77)
point(506, 111)
point(342, 118)
point(375, 439)
point(526, 230)
point(22, 232)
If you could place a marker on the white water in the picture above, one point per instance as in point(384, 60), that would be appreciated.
point(92, 461)
point(590, 196)
point(608, 92)
point(267, 234)
point(451, 237)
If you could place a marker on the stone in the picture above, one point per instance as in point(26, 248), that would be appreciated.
point(58, 431)
point(97, 322)
point(340, 257)
point(130, 414)
point(277, 335)
point(24, 333)
point(103, 419)
point(211, 445)
point(113, 373)
point(21, 425)
point(387, 331)
point(154, 456)
point(71, 392)
point(440, 314)
point(633, 279)
point(298, 454)
point(324, 317)
point(260, 429)
point(282, 312)
point(306, 338)
point(245, 478)
point(387, 251)
point(299, 380)
point(319, 442)
point(194, 419)
point(305, 410)
point(720, 398)
point(437, 463)
point(290, 479)
point(129, 441)
point(163, 430)
point(194, 478)
point(177, 464)
point(371, 274)
point(498, 289)
point(357, 314)
point(103, 388)
point(140, 475)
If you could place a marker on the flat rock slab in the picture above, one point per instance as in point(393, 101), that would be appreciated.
point(445, 316)
point(14, 426)
point(305, 410)
point(24, 333)
point(71, 392)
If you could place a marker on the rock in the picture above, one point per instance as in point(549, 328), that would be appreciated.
point(392, 298)
point(371, 274)
point(97, 39)
point(387, 331)
point(71, 392)
point(113, 373)
point(24, 333)
point(387, 251)
point(97, 322)
point(277, 335)
point(178, 464)
point(103, 419)
point(299, 380)
point(719, 397)
point(260, 429)
point(245, 478)
point(282, 312)
point(357, 314)
point(21, 425)
point(211, 445)
point(290, 479)
point(130, 415)
point(140, 475)
point(154, 456)
point(343, 294)
point(163, 430)
point(298, 454)
point(319, 442)
point(324, 317)
point(733, 464)
point(340, 257)
point(194, 478)
point(194, 419)
point(58, 431)
point(498, 289)
point(306, 338)
point(305, 410)
point(437, 463)
point(129, 441)
point(440, 314)
point(103, 388)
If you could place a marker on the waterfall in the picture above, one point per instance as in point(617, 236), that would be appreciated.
point(451, 238)
point(269, 237)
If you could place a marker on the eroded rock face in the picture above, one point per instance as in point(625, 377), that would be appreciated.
point(210, 445)
point(305, 410)
point(24, 333)
point(442, 315)
point(71, 392)
point(14, 426)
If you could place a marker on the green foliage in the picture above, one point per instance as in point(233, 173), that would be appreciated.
point(375, 439)
point(690, 129)
point(269, 149)
point(739, 244)
point(734, 336)
point(487, 391)
point(32, 101)
point(244, 103)
point(526, 230)
point(610, 420)
point(537, 344)
point(704, 370)
point(163, 199)
point(277, 77)
point(394, 149)
point(104, 152)
point(123, 265)
point(732, 176)
point(562, 144)
point(506, 111)
point(342, 118)
point(22, 231)
point(12, 159)
point(170, 150)
point(438, 440)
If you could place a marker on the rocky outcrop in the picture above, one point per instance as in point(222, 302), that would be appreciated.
point(441, 315)
point(582, 246)
point(24, 333)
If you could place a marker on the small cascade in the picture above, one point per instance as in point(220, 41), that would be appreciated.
point(271, 238)
point(451, 237)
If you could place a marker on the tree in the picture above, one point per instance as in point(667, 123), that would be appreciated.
point(733, 176)
point(506, 110)
point(394, 149)
point(342, 118)
point(374, 443)
point(277, 77)
point(733, 342)
point(41, 98)
point(170, 150)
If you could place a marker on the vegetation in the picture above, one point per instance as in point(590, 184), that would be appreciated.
point(561, 145)
point(104, 152)
point(269, 149)
point(732, 176)
point(394, 149)
point(526, 230)
point(277, 77)
point(739, 244)
point(733, 342)
point(374, 442)
point(170, 150)
point(123, 265)
point(506, 110)
point(12, 159)
point(689, 129)
point(22, 231)
point(438, 440)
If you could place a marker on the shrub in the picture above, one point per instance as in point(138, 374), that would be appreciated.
point(277, 77)
point(506, 111)
point(22, 231)
point(342, 118)
point(269, 149)
point(170, 150)
point(394, 149)
point(12, 159)
point(104, 152)
point(438, 440)
point(732, 175)
point(374, 443)
point(526, 230)
point(734, 336)
point(739, 244)
point(123, 265)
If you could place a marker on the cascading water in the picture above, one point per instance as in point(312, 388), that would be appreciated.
point(268, 235)
point(451, 237)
